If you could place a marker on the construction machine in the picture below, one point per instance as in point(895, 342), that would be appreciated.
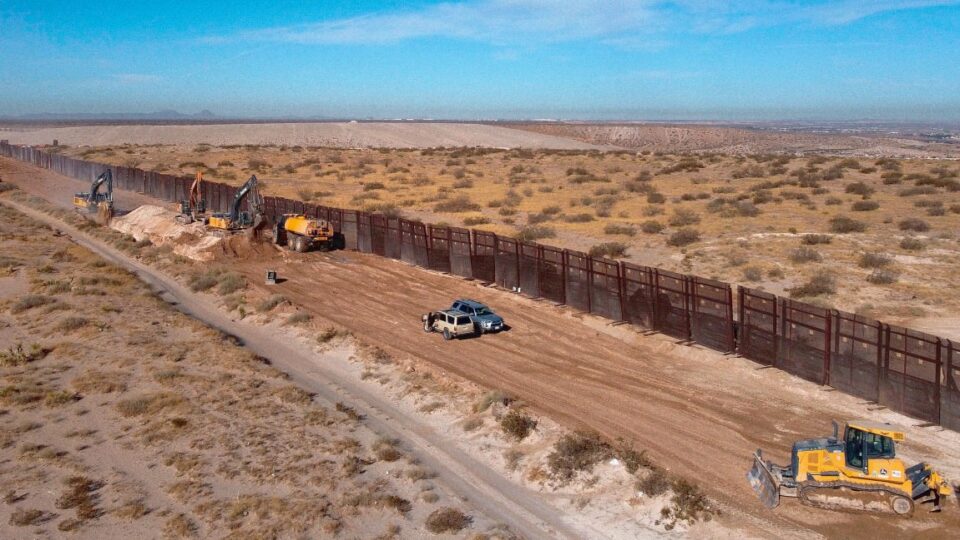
point(300, 233)
point(237, 220)
point(194, 208)
point(859, 471)
point(96, 201)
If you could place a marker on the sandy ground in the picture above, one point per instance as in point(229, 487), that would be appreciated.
point(697, 412)
point(335, 134)
point(692, 138)
point(137, 421)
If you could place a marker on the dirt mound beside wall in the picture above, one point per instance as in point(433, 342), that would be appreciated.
point(159, 225)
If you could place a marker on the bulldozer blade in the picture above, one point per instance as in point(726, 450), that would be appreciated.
point(762, 482)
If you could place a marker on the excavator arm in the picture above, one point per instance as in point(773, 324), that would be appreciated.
point(250, 187)
point(105, 178)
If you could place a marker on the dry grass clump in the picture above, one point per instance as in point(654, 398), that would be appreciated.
point(651, 226)
point(616, 228)
point(230, 283)
point(460, 203)
point(300, 317)
point(654, 482)
point(530, 233)
point(752, 273)
point(683, 217)
point(821, 283)
point(149, 404)
point(471, 221)
point(576, 452)
point(491, 397)
point(688, 504)
point(22, 517)
point(874, 260)
point(517, 424)
point(80, 494)
point(16, 355)
point(814, 239)
point(683, 237)
point(844, 224)
point(912, 244)
point(913, 224)
point(447, 520)
point(69, 324)
point(804, 254)
point(386, 450)
point(883, 276)
point(30, 301)
point(609, 249)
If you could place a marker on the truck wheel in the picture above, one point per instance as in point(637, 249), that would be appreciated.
point(304, 245)
point(290, 240)
point(447, 335)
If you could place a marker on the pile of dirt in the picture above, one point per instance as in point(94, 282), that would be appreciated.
point(159, 225)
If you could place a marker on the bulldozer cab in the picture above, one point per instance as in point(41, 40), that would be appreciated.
point(862, 444)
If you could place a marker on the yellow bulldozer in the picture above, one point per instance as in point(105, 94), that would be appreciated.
point(859, 471)
point(236, 219)
point(300, 233)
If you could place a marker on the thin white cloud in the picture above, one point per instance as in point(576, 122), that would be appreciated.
point(615, 22)
point(136, 78)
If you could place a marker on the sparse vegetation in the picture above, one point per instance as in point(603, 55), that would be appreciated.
point(609, 249)
point(447, 520)
point(843, 224)
point(577, 452)
point(804, 254)
point(821, 283)
point(914, 225)
point(683, 237)
point(516, 424)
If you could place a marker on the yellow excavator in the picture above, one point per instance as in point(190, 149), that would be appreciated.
point(237, 220)
point(859, 471)
point(300, 233)
point(95, 201)
point(194, 208)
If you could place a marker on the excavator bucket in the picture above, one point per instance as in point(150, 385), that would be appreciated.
point(762, 482)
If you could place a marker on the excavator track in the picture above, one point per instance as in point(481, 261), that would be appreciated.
point(855, 498)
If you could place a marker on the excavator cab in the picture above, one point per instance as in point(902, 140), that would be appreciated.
point(236, 219)
point(856, 471)
point(95, 201)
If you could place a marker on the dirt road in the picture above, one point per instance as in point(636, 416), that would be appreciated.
point(698, 413)
point(524, 511)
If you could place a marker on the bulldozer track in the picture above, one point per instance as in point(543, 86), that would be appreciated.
point(856, 494)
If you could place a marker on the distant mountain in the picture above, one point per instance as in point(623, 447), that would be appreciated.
point(158, 115)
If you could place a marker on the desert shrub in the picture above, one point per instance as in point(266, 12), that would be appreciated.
point(202, 282)
point(752, 273)
point(386, 450)
point(913, 224)
point(833, 201)
point(529, 233)
point(579, 218)
point(30, 301)
point(865, 206)
point(16, 355)
point(882, 276)
point(814, 239)
point(688, 504)
point(517, 425)
point(255, 164)
point(804, 254)
point(443, 520)
point(683, 237)
point(373, 186)
point(874, 260)
point(936, 211)
point(746, 209)
point(461, 203)
point(656, 198)
point(651, 226)
point(912, 244)
point(844, 224)
point(650, 211)
point(330, 333)
point(617, 228)
point(507, 211)
point(551, 210)
point(533, 219)
point(821, 283)
point(230, 283)
point(6, 187)
point(70, 324)
point(491, 397)
point(919, 190)
point(609, 249)
point(683, 217)
point(576, 452)
point(26, 517)
point(470, 221)
point(891, 178)
point(654, 482)
point(859, 188)
point(298, 318)
point(631, 458)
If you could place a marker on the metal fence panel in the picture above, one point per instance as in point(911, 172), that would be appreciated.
point(552, 272)
point(910, 382)
point(529, 268)
point(804, 340)
point(757, 327)
point(483, 260)
point(711, 319)
point(364, 233)
point(392, 246)
point(638, 295)
point(671, 303)
point(605, 299)
point(438, 249)
point(378, 234)
point(577, 280)
point(508, 272)
point(460, 250)
point(856, 355)
point(950, 396)
point(349, 229)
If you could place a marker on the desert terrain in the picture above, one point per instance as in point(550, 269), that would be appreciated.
point(697, 414)
point(873, 236)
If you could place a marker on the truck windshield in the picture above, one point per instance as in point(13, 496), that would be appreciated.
point(463, 320)
point(481, 311)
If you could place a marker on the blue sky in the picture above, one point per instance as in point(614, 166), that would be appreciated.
point(481, 59)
